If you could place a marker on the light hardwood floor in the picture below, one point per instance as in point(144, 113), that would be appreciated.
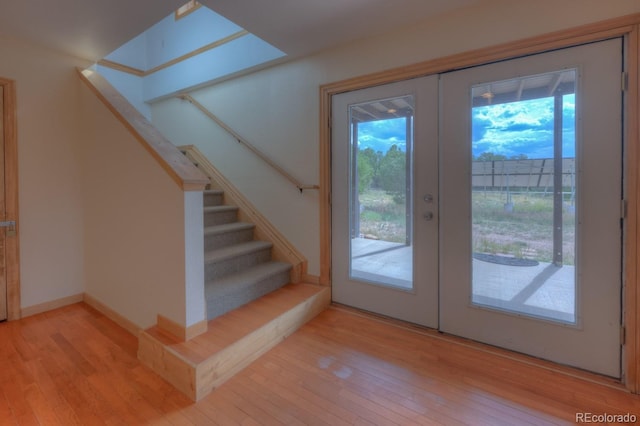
point(73, 366)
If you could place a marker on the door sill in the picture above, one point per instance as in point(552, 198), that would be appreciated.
point(505, 354)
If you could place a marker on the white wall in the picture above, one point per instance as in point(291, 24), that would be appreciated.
point(97, 214)
point(277, 109)
point(137, 222)
point(50, 176)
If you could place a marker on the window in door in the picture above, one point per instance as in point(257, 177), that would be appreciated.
point(381, 197)
point(524, 195)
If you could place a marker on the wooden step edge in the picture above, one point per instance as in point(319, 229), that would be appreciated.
point(225, 363)
point(196, 376)
point(168, 364)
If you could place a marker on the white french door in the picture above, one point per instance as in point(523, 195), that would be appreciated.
point(486, 203)
point(530, 225)
point(384, 200)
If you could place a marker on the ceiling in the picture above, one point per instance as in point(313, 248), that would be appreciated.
point(91, 29)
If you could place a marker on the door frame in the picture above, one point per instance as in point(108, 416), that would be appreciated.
point(12, 247)
point(626, 26)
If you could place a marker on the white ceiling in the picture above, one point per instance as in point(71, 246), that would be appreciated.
point(299, 27)
point(93, 28)
point(85, 28)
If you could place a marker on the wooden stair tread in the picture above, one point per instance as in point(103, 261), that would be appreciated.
point(225, 330)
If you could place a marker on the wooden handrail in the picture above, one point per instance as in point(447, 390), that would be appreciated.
point(301, 187)
point(181, 170)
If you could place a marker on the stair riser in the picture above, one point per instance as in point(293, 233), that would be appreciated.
point(213, 200)
point(221, 305)
point(235, 264)
point(212, 242)
point(220, 218)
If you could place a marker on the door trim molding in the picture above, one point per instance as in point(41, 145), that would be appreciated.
point(12, 247)
point(626, 26)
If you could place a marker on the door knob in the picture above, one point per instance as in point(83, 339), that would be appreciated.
point(428, 198)
point(428, 216)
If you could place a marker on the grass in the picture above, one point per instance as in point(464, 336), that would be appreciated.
point(524, 232)
point(381, 217)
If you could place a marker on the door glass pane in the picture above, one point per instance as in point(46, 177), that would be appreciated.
point(380, 202)
point(524, 195)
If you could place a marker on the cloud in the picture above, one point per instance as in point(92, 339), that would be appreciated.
point(524, 127)
point(510, 129)
point(380, 135)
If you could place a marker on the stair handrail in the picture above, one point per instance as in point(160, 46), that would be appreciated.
point(301, 187)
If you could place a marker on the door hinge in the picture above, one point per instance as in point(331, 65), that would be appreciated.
point(623, 209)
point(625, 81)
point(623, 335)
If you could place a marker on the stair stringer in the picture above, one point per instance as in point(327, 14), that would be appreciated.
point(282, 249)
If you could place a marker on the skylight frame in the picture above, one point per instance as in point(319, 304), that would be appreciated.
point(186, 9)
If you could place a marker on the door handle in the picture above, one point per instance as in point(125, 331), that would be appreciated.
point(428, 216)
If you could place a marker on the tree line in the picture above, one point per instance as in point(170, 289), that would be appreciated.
point(383, 171)
point(388, 171)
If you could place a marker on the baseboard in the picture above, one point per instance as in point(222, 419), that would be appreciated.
point(112, 315)
point(51, 305)
point(311, 279)
point(180, 332)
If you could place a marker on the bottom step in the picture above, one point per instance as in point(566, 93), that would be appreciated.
point(232, 341)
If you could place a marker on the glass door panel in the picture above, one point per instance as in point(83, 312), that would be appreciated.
point(523, 191)
point(381, 188)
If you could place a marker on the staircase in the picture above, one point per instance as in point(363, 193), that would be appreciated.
point(238, 268)
point(254, 288)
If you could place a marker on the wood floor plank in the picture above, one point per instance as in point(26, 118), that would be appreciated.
point(73, 366)
point(450, 383)
point(431, 398)
point(392, 377)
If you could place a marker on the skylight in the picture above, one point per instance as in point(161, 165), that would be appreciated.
point(189, 48)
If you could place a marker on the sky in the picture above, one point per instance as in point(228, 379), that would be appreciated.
point(380, 135)
point(524, 127)
point(510, 129)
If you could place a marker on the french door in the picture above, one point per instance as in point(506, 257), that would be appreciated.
point(503, 223)
point(530, 205)
point(384, 200)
